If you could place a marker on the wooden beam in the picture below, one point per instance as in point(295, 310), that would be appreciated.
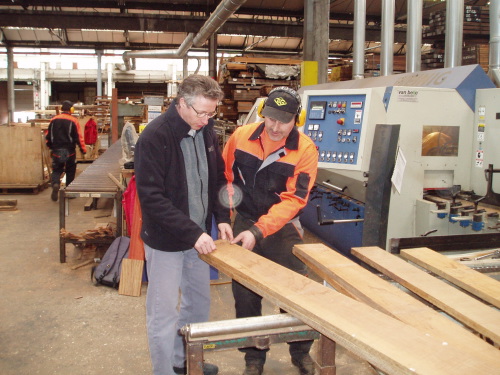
point(390, 345)
point(345, 275)
point(480, 285)
point(468, 310)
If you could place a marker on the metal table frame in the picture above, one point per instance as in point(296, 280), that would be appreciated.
point(95, 183)
point(260, 332)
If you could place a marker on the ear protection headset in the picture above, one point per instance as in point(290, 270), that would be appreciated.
point(300, 118)
point(72, 109)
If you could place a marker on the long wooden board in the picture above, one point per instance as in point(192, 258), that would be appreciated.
point(345, 275)
point(466, 309)
point(482, 286)
point(389, 344)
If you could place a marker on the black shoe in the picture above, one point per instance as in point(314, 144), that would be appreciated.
point(208, 369)
point(55, 192)
point(305, 365)
point(253, 369)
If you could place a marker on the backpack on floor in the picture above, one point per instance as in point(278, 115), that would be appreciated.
point(107, 272)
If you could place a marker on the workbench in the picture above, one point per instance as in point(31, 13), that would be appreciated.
point(94, 182)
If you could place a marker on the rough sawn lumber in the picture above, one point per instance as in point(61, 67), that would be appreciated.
point(387, 343)
point(466, 309)
point(484, 287)
point(352, 279)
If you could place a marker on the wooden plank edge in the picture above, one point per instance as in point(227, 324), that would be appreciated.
point(378, 293)
point(466, 278)
point(478, 321)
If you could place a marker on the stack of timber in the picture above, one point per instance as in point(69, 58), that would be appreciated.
point(476, 22)
point(340, 73)
point(393, 340)
point(433, 60)
point(102, 113)
point(244, 79)
point(472, 53)
point(372, 63)
point(476, 54)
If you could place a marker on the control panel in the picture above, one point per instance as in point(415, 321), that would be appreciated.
point(334, 123)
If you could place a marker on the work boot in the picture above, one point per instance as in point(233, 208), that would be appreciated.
point(253, 369)
point(55, 192)
point(305, 365)
point(208, 369)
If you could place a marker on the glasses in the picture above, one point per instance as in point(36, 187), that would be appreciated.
point(203, 114)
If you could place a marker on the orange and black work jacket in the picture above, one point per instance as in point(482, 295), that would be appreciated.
point(275, 189)
point(64, 132)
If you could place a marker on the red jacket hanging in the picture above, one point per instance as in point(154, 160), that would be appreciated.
point(90, 132)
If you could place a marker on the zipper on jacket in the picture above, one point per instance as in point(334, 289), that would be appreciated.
point(199, 176)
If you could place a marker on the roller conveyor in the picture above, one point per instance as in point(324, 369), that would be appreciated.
point(94, 182)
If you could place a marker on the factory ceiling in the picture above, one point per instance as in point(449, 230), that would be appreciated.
point(258, 26)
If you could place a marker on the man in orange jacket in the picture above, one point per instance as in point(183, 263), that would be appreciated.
point(63, 135)
point(271, 168)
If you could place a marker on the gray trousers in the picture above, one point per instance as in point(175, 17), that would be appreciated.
point(168, 274)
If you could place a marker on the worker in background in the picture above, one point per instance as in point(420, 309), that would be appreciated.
point(63, 135)
point(272, 167)
point(179, 171)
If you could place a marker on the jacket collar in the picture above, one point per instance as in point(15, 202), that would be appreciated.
point(291, 143)
point(180, 127)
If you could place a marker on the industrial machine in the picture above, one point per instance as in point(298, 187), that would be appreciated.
point(404, 156)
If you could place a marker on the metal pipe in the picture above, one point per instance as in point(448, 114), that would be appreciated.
point(10, 85)
point(454, 33)
point(414, 36)
point(387, 51)
point(99, 73)
point(241, 325)
point(358, 58)
point(219, 16)
point(494, 57)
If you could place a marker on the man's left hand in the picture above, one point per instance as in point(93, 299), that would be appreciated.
point(246, 238)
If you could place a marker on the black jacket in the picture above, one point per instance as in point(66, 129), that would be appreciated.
point(64, 132)
point(162, 186)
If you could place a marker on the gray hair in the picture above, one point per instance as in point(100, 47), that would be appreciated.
point(197, 85)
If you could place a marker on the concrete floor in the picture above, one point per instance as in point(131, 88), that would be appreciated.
point(55, 321)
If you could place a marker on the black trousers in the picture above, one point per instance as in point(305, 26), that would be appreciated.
point(58, 167)
point(278, 248)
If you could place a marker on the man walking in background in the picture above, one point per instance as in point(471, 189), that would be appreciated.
point(63, 136)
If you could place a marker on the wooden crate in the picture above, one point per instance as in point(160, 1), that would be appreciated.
point(24, 157)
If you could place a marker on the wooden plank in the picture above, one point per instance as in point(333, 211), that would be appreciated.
point(390, 345)
point(466, 309)
point(8, 204)
point(352, 279)
point(466, 278)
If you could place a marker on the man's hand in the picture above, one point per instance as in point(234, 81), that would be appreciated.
point(225, 231)
point(246, 238)
point(205, 244)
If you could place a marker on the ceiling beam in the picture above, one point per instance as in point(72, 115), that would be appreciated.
point(171, 23)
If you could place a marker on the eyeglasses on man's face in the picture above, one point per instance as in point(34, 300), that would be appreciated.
point(203, 114)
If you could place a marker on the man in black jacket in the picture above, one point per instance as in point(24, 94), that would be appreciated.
point(63, 136)
point(179, 171)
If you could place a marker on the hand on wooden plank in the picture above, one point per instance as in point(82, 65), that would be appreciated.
point(246, 238)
